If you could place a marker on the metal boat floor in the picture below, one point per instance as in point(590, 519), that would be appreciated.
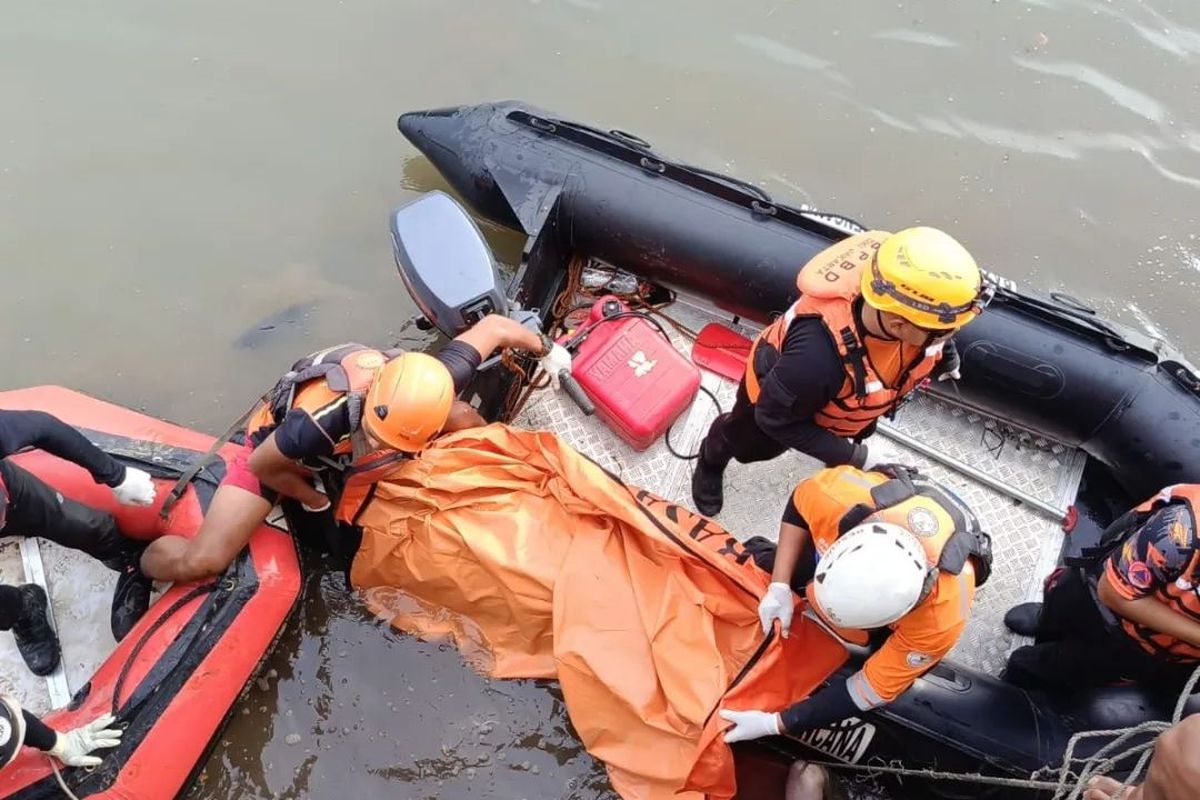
point(1026, 545)
point(80, 591)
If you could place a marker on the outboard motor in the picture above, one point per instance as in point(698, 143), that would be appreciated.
point(445, 263)
point(449, 271)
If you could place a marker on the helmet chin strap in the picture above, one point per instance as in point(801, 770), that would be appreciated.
point(882, 331)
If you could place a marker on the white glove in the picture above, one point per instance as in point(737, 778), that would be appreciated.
point(776, 604)
point(72, 747)
point(318, 509)
point(555, 362)
point(751, 725)
point(136, 490)
point(881, 451)
point(950, 375)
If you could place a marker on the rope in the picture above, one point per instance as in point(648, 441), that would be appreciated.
point(195, 592)
point(1070, 785)
point(62, 784)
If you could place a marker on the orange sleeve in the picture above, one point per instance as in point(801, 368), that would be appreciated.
point(919, 640)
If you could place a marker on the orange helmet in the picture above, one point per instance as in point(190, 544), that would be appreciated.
point(408, 402)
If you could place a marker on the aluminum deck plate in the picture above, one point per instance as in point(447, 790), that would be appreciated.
point(1026, 545)
point(80, 591)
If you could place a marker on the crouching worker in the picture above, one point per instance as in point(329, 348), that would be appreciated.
point(875, 318)
point(888, 555)
point(335, 404)
point(1129, 609)
point(74, 748)
point(31, 507)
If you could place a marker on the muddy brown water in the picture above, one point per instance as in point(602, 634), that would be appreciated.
point(192, 194)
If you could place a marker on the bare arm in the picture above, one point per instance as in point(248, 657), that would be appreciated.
point(1149, 612)
point(495, 332)
point(280, 473)
point(793, 539)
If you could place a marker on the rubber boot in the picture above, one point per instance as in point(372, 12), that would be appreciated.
point(708, 484)
point(36, 640)
point(1023, 619)
point(131, 598)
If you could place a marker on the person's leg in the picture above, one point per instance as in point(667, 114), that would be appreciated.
point(232, 517)
point(1069, 609)
point(25, 610)
point(38, 509)
point(1066, 605)
point(11, 604)
point(731, 435)
point(1065, 665)
point(238, 507)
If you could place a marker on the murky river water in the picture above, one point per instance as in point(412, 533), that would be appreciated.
point(192, 194)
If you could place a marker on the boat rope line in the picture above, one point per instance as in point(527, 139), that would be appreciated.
point(192, 594)
point(1070, 783)
point(58, 777)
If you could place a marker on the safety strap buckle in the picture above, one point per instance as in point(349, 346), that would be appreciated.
point(855, 355)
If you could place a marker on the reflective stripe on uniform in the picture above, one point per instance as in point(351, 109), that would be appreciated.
point(862, 692)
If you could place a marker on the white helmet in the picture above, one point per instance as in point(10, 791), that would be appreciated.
point(870, 577)
point(12, 729)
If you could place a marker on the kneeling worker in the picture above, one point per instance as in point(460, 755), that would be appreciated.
point(874, 320)
point(31, 507)
point(905, 568)
point(1128, 609)
point(336, 403)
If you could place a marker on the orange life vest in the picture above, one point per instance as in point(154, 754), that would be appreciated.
point(949, 532)
point(360, 480)
point(829, 288)
point(318, 379)
point(1182, 596)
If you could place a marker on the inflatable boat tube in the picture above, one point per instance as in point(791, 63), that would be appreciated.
point(1046, 363)
point(173, 680)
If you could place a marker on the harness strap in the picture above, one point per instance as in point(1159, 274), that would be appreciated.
point(856, 356)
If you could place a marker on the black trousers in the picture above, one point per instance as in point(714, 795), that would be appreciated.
point(37, 509)
point(1078, 648)
point(736, 435)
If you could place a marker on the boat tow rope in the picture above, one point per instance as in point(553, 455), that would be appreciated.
point(192, 594)
point(201, 461)
point(1071, 783)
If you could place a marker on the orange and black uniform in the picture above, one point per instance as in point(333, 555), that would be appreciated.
point(1153, 551)
point(315, 419)
point(835, 500)
point(816, 381)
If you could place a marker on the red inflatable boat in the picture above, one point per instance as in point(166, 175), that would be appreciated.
point(173, 681)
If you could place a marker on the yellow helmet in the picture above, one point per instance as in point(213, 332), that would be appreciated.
point(926, 277)
point(408, 402)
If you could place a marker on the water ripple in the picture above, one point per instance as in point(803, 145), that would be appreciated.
point(792, 57)
point(1125, 96)
point(915, 37)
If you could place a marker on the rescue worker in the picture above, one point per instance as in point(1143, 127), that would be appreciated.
point(1127, 609)
point(343, 401)
point(30, 507)
point(74, 748)
point(888, 555)
point(873, 321)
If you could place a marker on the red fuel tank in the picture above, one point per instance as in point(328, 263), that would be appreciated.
point(639, 382)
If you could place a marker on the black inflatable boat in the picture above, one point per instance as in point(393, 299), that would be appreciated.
point(1046, 363)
